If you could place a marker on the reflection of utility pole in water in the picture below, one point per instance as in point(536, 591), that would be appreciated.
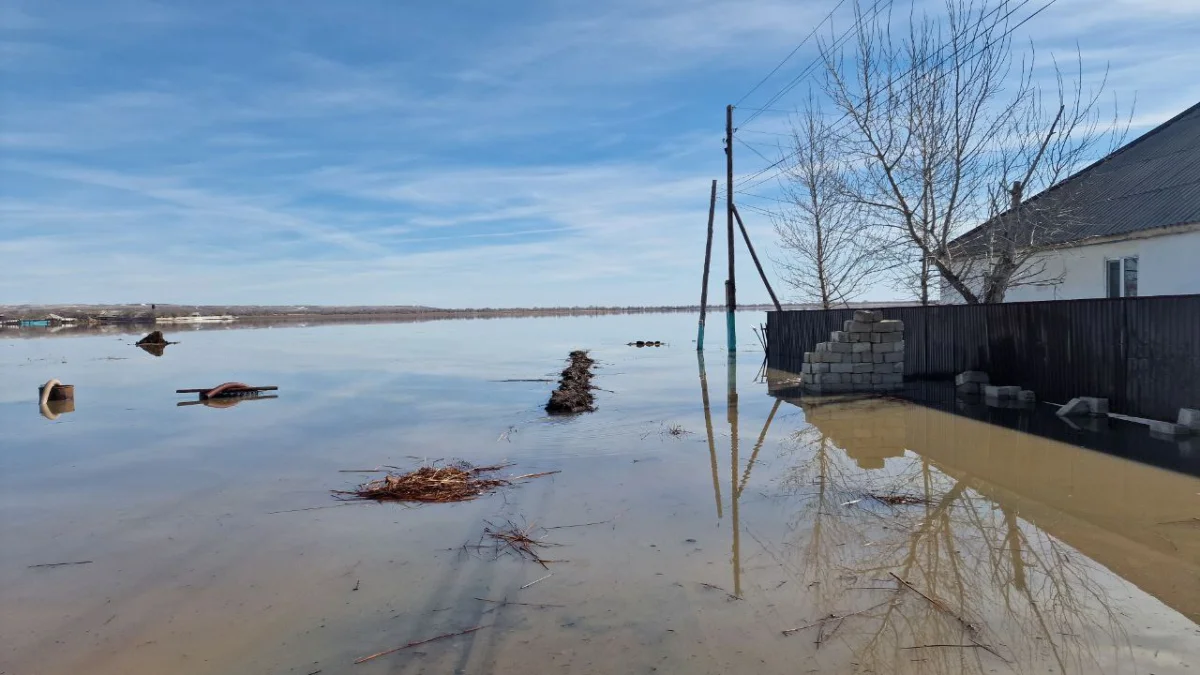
point(708, 427)
point(732, 415)
point(736, 486)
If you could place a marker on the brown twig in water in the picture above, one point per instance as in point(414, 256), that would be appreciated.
point(61, 564)
point(364, 659)
point(509, 537)
point(832, 617)
point(970, 646)
point(524, 604)
point(941, 606)
point(563, 527)
point(536, 475)
point(455, 483)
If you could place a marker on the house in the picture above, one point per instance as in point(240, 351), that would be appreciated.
point(1134, 225)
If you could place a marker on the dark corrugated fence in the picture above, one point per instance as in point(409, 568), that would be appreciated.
point(1143, 354)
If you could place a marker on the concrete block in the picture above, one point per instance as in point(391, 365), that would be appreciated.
point(884, 347)
point(971, 376)
point(841, 368)
point(844, 347)
point(846, 325)
point(861, 378)
point(1190, 418)
point(899, 367)
point(1099, 406)
point(876, 337)
point(892, 337)
point(993, 391)
point(839, 336)
point(860, 346)
point(1075, 406)
point(887, 326)
point(866, 316)
point(1168, 429)
point(836, 357)
point(968, 388)
point(860, 337)
point(856, 327)
point(806, 368)
point(840, 387)
point(877, 358)
point(893, 357)
point(864, 368)
point(882, 368)
point(821, 347)
point(820, 367)
point(1027, 396)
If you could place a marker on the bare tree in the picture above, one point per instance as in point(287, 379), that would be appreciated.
point(827, 253)
point(947, 128)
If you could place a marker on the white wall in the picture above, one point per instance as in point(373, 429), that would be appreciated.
point(1167, 265)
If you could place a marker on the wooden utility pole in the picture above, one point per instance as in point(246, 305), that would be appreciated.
point(754, 257)
point(730, 285)
point(712, 207)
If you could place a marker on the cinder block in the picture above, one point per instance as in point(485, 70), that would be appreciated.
point(877, 358)
point(841, 368)
point(971, 376)
point(899, 367)
point(806, 368)
point(866, 316)
point(861, 378)
point(839, 336)
point(836, 357)
point(840, 387)
point(1075, 406)
point(992, 391)
point(882, 368)
point(846, 325)
point(856, 327)
point(860, 337)
point(860, 346)
point(887, 326)
point(820, 367)
point(844, 347)
point(968, 388)
point(876, 337)
point(814, 389)
point(821, 347)
point(1190, 418)
point(1168, 429)
point(893, 357)
point(1099, 406)
point(884, 347)
point(892, 337)
point(863, 368)
point(1027, 396)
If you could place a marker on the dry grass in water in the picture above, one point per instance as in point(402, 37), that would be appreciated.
point(899, 499)
point(459, 482)
point(519, 541)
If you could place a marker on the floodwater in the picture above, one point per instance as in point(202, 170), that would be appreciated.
point(216, 547)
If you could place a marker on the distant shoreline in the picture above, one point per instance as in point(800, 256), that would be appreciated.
point(148, 314)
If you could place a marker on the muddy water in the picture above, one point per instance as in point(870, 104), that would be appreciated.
point(683, 553)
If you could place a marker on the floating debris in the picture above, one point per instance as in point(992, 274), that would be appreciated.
point(459, 482)
point(154, 343)
point(509, 538)
point(574, 393)
point(645, 343)
point(899, 499)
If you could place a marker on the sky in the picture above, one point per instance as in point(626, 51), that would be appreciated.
point(459, 153)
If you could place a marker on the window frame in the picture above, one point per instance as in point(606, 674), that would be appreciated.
point(1122, 275)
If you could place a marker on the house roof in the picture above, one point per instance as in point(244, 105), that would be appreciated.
point(1152, 182)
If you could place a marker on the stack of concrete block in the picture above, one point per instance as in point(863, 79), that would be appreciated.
point(977, 382)
point(866, 355)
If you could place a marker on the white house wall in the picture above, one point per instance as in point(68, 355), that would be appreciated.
point(1167, 265)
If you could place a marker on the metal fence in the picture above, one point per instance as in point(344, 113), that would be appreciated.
point(1143, 354)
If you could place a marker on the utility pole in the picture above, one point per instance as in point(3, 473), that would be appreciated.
point(730, 285)
point(712, 207)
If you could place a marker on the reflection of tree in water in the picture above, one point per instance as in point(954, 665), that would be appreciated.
point(992, 582)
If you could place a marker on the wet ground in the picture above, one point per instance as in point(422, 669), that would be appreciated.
point(215, 546)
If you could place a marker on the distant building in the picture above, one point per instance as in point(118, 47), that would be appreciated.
point(1134, 227)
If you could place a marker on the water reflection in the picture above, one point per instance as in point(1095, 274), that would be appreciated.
point(52, 410)
point(998, 552)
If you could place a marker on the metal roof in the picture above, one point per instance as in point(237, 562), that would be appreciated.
point(1153, 182)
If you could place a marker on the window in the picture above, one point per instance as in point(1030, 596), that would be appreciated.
point(1121, 277)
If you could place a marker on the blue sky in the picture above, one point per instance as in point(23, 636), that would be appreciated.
point(458, 154)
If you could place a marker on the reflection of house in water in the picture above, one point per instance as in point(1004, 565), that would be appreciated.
point(1136, 520)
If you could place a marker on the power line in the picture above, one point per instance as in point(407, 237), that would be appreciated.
point(807, 70)
point(752, 149)
point(846, 114)
point(792, 53)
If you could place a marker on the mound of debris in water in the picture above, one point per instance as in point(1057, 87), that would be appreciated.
point(154, 338)
point(574, 393)
point(645, 343)
point(459, 482)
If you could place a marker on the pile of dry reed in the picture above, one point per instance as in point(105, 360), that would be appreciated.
point(458, 482)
